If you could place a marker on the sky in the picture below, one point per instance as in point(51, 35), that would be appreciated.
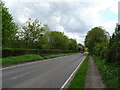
point(73, 17)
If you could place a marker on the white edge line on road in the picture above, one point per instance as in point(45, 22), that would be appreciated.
point(29, 63)
point(72, 74)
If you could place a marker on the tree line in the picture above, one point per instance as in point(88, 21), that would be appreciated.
point(33, 35)
point(100, 43)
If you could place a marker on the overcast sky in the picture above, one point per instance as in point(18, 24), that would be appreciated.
point(73, 17)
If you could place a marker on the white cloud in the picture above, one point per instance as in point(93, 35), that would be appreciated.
point(23, 20)
point(109, 26)
point(74, 17)
point(79, 38)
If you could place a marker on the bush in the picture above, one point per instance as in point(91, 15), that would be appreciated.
point(100, 49)
point(108, 71)
point(113, 50)
point(18, 51)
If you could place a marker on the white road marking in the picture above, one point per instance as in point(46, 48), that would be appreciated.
point(72, 74)
point(20, 76)
point(14, 78)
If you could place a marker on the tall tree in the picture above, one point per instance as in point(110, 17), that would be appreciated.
point(31, 32)
point(56, 40)
point(72, 44)
point(9, 28)
point(113, 50)
point(94, 36)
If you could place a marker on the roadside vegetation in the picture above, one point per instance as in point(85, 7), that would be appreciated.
point(27, 58)
point(33, 37)
point(100, 43)
point(57, 55)
point(109, 72)
point(20, 59)
point(80, 77)
point(35, 40)
point(32, 41)
point(106, 53)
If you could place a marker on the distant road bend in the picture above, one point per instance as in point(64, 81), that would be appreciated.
point(42, 74)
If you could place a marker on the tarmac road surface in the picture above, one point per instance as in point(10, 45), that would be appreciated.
point(51, 73)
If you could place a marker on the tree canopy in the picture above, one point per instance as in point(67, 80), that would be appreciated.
point(9, 28)
point(94, 36)
point(31, 32)
point(56, 40)
point(113, 50)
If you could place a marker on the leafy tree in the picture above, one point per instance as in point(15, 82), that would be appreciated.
point(41, 43)
point(100, 49)
point(56, 40)
point(94, 36)
point(72, 44)
point(113, 50)
point(31, 33)
point(9, 28)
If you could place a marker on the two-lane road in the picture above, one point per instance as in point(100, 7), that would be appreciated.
point(41, 74)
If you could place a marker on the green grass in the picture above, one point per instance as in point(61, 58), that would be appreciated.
point(27, 58)
point(108, 71)
point(20, 59)
point(80, 77)
point(53, 56)
point(57, 55)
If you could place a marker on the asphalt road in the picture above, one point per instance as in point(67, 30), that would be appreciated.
point(50, 73)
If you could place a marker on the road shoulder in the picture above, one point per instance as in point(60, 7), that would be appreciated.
point(93, 78)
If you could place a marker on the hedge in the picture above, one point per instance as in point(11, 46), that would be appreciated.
point(6, 52)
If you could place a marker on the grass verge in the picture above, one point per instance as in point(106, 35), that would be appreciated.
point(20, 59)
point(108, 71)
point(57, 55)
point(27, 58)
point(80, 77)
